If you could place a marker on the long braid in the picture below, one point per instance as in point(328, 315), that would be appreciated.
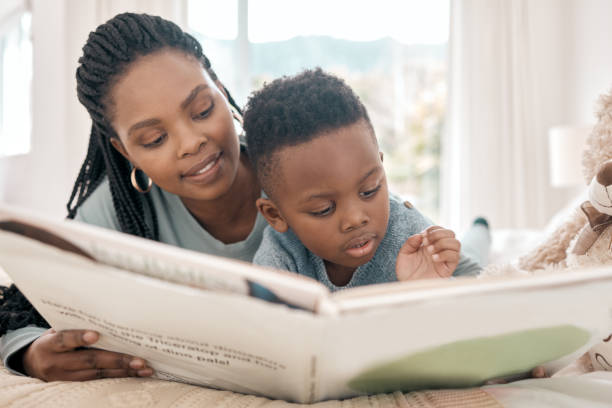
point(106, 55)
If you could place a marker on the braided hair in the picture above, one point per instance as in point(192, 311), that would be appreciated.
point(106, 56)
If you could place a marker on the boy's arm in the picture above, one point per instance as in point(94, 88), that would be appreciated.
point(467, 267)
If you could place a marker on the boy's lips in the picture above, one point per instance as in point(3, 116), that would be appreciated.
point(360, 246)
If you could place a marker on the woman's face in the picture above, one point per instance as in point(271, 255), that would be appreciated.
point(174, 123)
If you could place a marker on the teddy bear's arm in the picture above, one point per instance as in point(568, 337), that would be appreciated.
point(554, 249)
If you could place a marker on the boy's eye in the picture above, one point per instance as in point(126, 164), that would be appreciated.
point(203, 114)
point(158, 141)
point(326, 211)
point(370, 193)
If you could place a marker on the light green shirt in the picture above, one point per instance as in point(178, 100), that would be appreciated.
point(175, 223)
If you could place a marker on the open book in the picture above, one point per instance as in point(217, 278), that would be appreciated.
point(194, 319)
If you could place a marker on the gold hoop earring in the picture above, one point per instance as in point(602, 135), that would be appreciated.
point(135, 182)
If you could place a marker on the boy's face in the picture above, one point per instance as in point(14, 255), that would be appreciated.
point(332, 192)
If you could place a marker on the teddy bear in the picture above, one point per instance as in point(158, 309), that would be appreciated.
point(585, 238)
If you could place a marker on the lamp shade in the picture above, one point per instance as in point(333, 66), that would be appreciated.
point(565, 148)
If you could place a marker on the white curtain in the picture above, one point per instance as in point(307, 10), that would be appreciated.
point(494, 156)
point(10, 13)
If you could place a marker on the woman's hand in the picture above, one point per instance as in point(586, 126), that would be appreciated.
point(57, 356)
point(434, 253)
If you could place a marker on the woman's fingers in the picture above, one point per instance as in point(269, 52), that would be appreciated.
point(102, 359)
point(98, 373)
point(67, 340)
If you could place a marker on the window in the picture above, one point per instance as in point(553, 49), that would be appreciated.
point(394, 54)
point(15, 84)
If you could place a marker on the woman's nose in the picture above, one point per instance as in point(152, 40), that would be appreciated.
point(190, 141)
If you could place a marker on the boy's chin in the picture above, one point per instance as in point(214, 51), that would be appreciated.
point(356, 262)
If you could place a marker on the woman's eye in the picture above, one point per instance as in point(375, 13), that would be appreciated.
point(156, 142)
point(324, 212)
point(203, 114)
point(370, 193)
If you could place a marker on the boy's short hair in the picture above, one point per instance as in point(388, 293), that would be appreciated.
point(293, 110)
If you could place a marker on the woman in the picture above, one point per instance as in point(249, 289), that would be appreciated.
point(164, 162)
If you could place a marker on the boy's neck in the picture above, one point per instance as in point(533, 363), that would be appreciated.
point(337, 274)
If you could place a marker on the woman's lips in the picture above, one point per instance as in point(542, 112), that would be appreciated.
point(205, 169)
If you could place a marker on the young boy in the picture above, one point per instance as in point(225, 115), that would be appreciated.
point(331, 216)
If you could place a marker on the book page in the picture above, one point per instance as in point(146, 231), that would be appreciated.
point(204, 337)
point(163, 261)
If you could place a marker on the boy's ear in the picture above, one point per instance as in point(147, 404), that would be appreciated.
point(382, 156)
point(271, 213)
point(119, 147)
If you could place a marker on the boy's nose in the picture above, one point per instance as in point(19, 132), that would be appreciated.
point(354, 218)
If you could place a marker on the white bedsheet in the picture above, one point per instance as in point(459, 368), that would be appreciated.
point(590, 390)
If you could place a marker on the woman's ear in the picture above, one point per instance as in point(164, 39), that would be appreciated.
point(271, 213)
point(119, 147)
point(382, 156)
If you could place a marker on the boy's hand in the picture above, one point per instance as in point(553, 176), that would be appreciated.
point(434, 253)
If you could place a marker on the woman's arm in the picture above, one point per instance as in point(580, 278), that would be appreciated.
point(14, 343)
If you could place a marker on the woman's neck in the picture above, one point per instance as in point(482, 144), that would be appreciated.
point(231, 217)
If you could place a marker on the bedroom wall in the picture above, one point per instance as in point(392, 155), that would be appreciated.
point(589, 56)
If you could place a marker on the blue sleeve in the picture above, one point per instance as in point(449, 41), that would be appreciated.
point(272, 253)
point(13, 343)
point(467, 267)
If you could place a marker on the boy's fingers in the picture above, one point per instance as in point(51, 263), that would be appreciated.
point(443, 270)
point(67, 340)
point(448, 255)
point(439, 233)
point(430, 229)
point(412, 244)
point(444, 244)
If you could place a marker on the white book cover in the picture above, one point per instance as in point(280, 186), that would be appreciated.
point(193, 318)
